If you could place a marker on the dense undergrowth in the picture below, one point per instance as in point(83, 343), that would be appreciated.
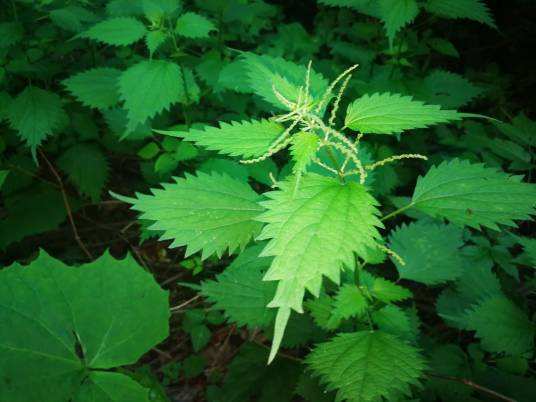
point(266, 201)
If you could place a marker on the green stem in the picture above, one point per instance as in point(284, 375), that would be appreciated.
point(357, 281)
point(333, 160)
point(398, 211)
point(15, 13)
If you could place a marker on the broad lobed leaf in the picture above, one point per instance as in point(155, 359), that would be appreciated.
point(54, 331)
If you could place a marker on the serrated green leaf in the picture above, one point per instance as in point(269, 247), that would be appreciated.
point(36, 113)
point(241, 292)
point(502, 326)
point(395, 321)
point(475, 10)
point(396, 14)
point(87, 168)
point(349, 302)
point(431, 252)
point(447, 89)
point(154, 39)
point(192, 25)
point(368, 7)
point(521, 130)
point(321, 309)
point(53, 332)
point(266, 72)
point(474, 195)
point(148, 88)
point(443, 46)
point(303, 150)
point(387, 291)
point(367, 366)
point(246, 139)
point(121, 31)
point(208, 212)
point(155, 10)
point(393, 113)
point(72, 18)
point(96, 87)
point(314, 232)
point(529, 245)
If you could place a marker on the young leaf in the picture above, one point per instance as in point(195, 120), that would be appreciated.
point(87, 168)
point(395, 321)
point(246, 139)
point(154, 39)
point(266, 72)
point(349, 302)
point(54, 333)
point(367, 366)
point(303, 150)
point(148, 88)
point(315, 231)
point(473, 195)
point(392, 113)
point(35, 113)
point(396, 14)
point(502, 326)
point(192, 25)
point(120, 31)
point(387, 291)
point(240, 290)
point(210, 213)
point(431, 252)
point(475, 10)
point(96, 87)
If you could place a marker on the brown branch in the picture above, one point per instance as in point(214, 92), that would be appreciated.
point(67, 205)
point(472, 385)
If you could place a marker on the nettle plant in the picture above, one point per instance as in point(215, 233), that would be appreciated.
point(320, 219)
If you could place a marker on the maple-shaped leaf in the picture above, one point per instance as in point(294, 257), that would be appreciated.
point(474, 195)
point(148, 88)
point(246, 139)
point(208, 212)
point(393, 113)
point(367, 366)
point(59, 339)
point(96, 87)
point(36, 113)
point(119, 31)
point(314, 231)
